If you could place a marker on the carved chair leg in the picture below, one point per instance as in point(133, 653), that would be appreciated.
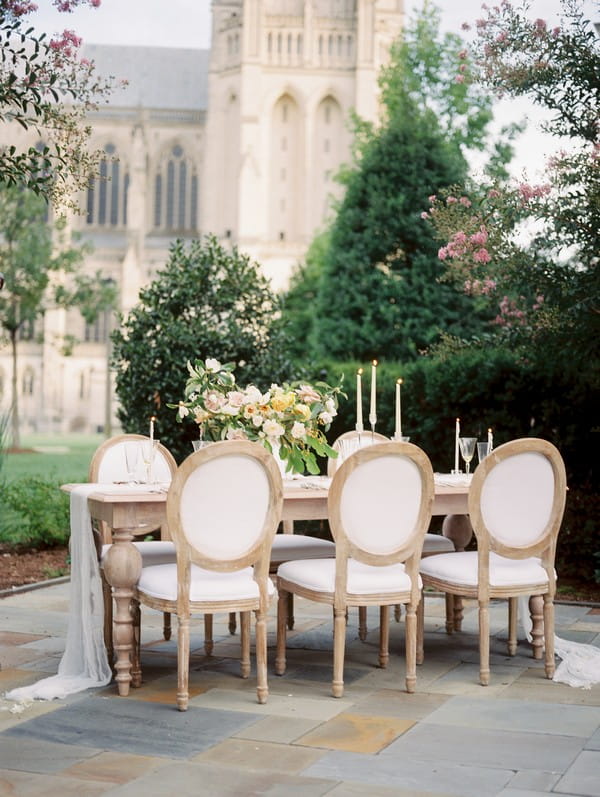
point(183, 662)
point(208, 634)
point(290, 611)
point(536, 603)
point(410, 630)
point(282, 610)
point(513, 614)
point(232, 622)
point(167, 625)
point(397, 612)
point(420, 654)
point(108, 619)
point(384, 636)
point(339, 646)
point(262, 687)
point(484, 644)
point(245, 642)
point(549, 664)
point(362, 623)
point(136, 663)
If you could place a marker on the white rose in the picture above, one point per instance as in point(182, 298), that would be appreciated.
point(212, 365)
point(257, 420)
point(298, 431)
point(252, 395)
point(325, 418)
point(236, 434)
point(330, 407)
point(272, 428)
point(228, 409)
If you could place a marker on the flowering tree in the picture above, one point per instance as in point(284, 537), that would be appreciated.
point(532, 250)
point(47, 88)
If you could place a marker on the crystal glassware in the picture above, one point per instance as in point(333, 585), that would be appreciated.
point(132, 454)
point(467, 449)
point(148, 449)
point(483, 449)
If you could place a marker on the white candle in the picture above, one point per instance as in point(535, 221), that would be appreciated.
point(456, 445)
point(359, 415)
point(490, 441)
point(152, 419)
point(373, 408)
point(398, 434)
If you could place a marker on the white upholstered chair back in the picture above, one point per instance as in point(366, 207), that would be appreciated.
point(225, 504)
point(380, 501)
point(517, 496)
point(108, 463)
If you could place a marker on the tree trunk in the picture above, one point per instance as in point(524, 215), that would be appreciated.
point(14, 409)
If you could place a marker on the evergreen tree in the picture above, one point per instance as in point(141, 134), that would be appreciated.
point(379, 294)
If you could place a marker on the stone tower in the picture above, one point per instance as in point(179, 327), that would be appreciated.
point(284, 77)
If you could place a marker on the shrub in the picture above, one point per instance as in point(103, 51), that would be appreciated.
point(35, 513)
point(207, 302)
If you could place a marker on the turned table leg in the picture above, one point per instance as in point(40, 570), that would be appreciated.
point(458, 529)
point(122, 568)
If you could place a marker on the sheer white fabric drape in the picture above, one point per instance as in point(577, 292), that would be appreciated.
point(84, 663)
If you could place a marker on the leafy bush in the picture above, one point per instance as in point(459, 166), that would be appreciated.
point(35, 513)
point(493, 387)
point(206, 302)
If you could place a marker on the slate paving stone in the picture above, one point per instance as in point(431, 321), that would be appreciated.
point(27, 753)
point(583, 777)
point(516, 716)
point(487, 748)
point(29, 784)
point(411, 774)
point(133, 726)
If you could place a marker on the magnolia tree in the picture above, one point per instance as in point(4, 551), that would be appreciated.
point(532, 249)
point(47, 88)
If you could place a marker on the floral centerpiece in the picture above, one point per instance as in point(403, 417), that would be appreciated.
point(289, 420)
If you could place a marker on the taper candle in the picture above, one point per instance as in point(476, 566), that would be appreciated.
point(373, 408)
point(152, 419)
point(359, 414)
point(398, 435)
point(456, 445)
point(490, 441)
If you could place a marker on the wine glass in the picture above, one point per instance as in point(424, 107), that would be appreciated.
point(467, 449)
point(132, 453)
point(148, 451)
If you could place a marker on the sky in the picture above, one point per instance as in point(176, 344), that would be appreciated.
point(186, 23)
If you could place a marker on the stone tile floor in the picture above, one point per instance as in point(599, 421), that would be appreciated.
point(520, 737)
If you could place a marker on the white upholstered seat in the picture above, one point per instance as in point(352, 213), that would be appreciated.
point(516, 504)
point(380, 504)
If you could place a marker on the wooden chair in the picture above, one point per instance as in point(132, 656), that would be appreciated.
point(516, 504)
point(380, 505)
point(106, 467)
point(223, 509)
point(346, 444)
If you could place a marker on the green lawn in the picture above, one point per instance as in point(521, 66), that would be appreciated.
point(60, 458)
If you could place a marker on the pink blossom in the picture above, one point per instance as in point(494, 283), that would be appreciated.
point(424, 215)
point(67, 44)
point(450, 200)
point(493, 194)
point(481, 23)
point(540, 24)
point(443, 253)
point(479, 238)
point(465, 201)
point(465, 26)
point(459, 79)
point(432, 198)
point(556, 33)
point(501, 37)
point(462, 68)
point(462, 54)
point(482, 256)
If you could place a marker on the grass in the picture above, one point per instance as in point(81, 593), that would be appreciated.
point(63, 458)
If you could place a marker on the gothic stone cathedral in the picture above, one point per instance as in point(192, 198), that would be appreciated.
point(241, 141)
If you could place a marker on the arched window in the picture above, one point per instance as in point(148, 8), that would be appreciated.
point(27, 382)
point(107, 194)
point(176, 193)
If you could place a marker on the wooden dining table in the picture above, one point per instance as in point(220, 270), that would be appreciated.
point(131, 513)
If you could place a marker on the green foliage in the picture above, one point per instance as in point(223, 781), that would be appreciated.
point(32, 252)
point(207, 302)
point(498, 388)
point(34, 513)
point(47, 89)
point(380, 295)
point(379, 289)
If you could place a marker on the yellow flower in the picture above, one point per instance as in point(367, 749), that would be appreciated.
point(201, 415)
point(303, 411)
point(282, 402)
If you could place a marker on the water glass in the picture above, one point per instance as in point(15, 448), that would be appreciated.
point(132, 454)
point(148, 449)
point(483, 449)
